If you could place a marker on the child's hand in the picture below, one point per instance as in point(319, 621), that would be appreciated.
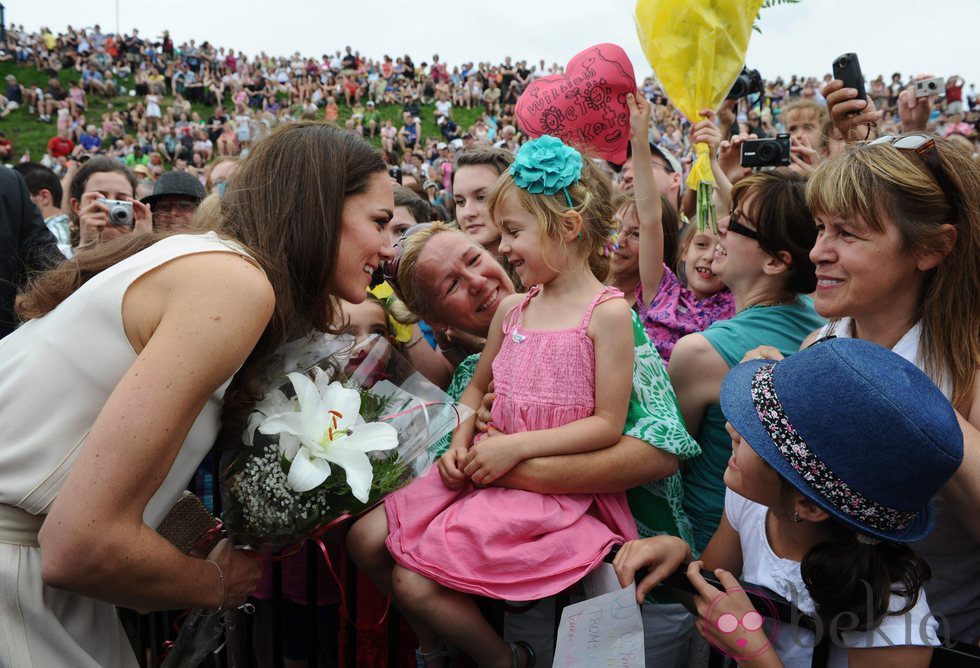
point(802, 157)
point(491, 458)
point(661, 554)
point(639, 118)
point(451, 467)
point(727, 618)
point(483, 414)
point(706, 131)
point(762, 353)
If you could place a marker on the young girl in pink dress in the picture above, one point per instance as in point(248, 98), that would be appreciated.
point(668, 309)
point(561, 358)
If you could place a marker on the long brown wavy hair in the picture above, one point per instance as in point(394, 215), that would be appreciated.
point(285, 206)
point(880, 183)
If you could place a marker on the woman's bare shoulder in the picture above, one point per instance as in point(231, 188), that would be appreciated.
point(217, 274)
point(226, 288)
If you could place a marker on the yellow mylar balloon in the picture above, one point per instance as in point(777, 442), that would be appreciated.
point(697, 49)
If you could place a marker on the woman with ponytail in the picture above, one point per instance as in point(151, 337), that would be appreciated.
point(820, 508)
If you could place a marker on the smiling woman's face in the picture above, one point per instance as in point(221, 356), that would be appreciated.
point(462, 282)
point(362, 249)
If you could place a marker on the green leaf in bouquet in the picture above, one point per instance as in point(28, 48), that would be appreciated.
point(373, 407)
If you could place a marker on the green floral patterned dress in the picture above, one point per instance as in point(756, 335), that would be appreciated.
point(654, 417)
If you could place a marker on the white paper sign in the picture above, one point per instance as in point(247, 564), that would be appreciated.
point(604, 631)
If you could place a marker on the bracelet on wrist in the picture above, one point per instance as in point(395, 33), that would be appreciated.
point(412, 344)
point(221, 579)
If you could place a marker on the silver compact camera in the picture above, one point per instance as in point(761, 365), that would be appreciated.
point(926, 87)
point(120, 212)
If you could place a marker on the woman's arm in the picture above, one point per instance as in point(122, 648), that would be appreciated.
point(696, 371)
point(873, 657)
point(94, 541)
point(648, 203)
point(627, 464)
point(429, 362)
point(962, 492)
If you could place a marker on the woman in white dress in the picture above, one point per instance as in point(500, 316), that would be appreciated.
point(131, 361)
point(153, 113)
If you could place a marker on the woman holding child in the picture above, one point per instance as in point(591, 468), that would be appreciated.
point(449, 280)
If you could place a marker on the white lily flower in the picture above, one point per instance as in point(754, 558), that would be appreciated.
point(329, 429)
point(273, 403)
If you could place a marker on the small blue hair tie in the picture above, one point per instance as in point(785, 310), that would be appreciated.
point(545, 165)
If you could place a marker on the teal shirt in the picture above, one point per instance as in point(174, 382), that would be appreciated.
point(782, 327)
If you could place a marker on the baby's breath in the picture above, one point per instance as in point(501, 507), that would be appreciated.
point(264, 510)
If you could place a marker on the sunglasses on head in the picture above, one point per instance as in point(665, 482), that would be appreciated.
point(390, 267)
point(925, 147)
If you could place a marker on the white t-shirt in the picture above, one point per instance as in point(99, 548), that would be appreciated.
point(761, 566)
point(443, 107)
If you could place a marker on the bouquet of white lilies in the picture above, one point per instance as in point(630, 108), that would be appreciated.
point(331, 441)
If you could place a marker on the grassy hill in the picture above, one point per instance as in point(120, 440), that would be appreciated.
point(28, 133)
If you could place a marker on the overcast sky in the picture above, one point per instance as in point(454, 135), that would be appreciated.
point(909, 36)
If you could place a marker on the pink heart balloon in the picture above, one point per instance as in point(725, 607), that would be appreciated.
point(585, 107)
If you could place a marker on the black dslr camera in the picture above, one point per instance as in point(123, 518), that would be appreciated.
point(747, 83)
point(766, 152)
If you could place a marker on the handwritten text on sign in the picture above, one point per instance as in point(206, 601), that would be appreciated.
point(605, 631)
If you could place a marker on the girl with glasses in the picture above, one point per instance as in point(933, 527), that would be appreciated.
point(670, 310)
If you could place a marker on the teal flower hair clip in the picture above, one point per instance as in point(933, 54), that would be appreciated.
point(546, 165)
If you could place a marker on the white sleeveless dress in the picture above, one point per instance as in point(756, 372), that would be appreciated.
point(56, 372)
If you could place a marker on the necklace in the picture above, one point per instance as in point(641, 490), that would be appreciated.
point(780, 302)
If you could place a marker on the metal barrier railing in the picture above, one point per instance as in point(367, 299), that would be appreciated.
point(257, 640)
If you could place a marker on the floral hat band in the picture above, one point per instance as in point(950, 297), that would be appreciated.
point(545, 166)
point(809, 466)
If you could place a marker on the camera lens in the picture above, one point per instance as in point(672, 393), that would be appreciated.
point(739, 88)
point(769, 152)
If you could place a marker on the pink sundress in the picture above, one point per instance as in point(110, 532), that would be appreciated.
point(509, 543)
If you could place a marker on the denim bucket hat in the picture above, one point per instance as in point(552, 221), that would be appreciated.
point(858, 430)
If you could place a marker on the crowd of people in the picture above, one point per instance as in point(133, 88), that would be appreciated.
point(246, 97)
point(749, 399)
